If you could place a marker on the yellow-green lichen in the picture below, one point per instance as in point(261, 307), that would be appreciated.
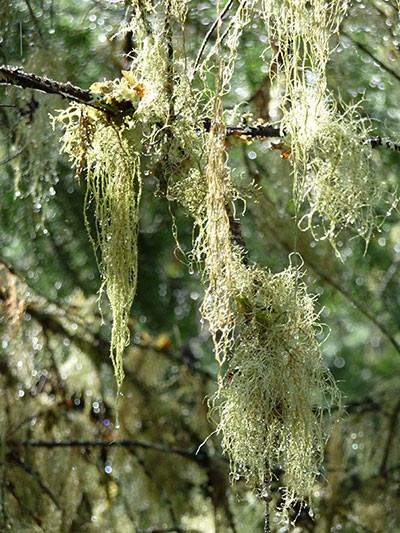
point(333, 176)
point(329, 153)
point(263, 325)
point(111, 161)
point(271, 400)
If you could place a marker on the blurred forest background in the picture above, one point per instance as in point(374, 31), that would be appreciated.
point(64, 466)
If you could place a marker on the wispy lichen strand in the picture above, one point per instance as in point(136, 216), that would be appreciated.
point(111, 160)
point(263, 325)
point(217, 248)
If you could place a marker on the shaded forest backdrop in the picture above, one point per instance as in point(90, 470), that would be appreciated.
point(64, 463)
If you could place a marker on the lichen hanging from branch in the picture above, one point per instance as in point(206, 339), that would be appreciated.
point(214, 248)
point(333, 182)
point(272, 397)
point(214, 245)
point(268, 406)
point(110, 155)
point(109, 145)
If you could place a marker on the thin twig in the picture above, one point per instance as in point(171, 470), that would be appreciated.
point(366, 51)
point(17, 77)
point(126, 443)
point(26, 508)
point(357, 304)
point(267, 527)
point(267, 498)
point(8, 159)
point(34, 20)
point(392, 432)
point(386, 143)
point(257, 131)
point(210, 32)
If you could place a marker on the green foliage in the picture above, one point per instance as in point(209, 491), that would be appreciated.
point(236, 211)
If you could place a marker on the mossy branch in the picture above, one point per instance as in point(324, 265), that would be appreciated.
point(15, 76)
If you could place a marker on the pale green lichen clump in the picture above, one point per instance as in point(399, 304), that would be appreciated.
point(272, 397)
point(110, 149)
point(332, 166)
point(270, 402)
point(213, 247)
point(111, 162)
point(333, 182)
point(216, 246)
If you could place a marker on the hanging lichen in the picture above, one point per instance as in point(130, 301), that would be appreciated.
point(333, 182)
point(275, 390)
point(110, 155)
point(263, 325)
point(34, 155)
point(214, 247)
point(109, 146)
point(337, 182)
point(217, 247)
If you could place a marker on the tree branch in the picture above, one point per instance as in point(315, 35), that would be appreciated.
point(386, 143)
point(210, 32)
point(126, 443)
point(257, 131)
point(393, 422)
point(366, 51)
point(17, 77)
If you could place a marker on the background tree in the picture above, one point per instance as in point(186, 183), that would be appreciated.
point(234, 70)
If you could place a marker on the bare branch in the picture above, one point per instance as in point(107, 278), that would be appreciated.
point(126, 443)
point(210, 32)
point(386, 143)
point(257, 131)
point(393, 422)
point(16, 76)
point(368, 52)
